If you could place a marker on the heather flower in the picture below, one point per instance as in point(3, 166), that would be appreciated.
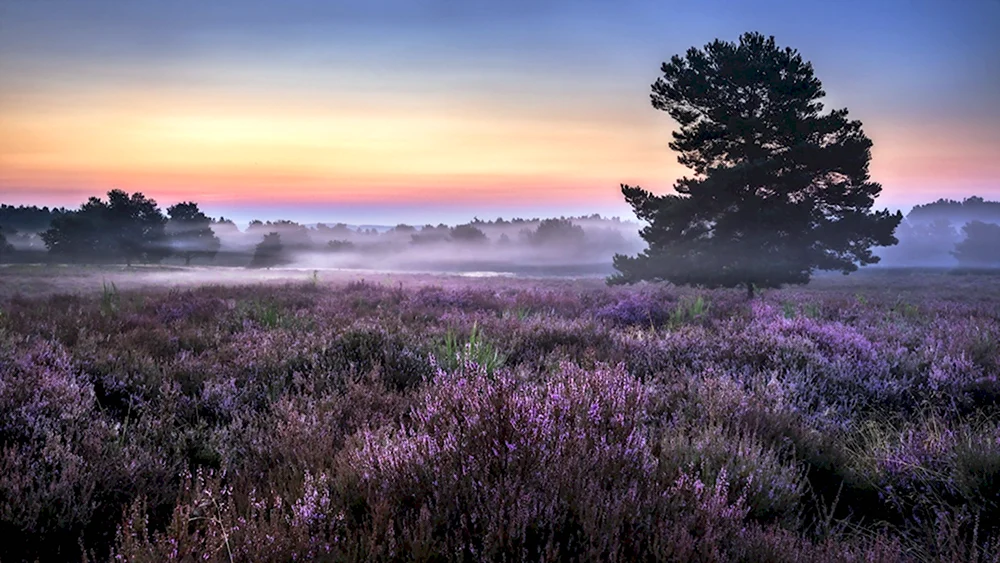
point(637, 309)
point(498, 454)
point(624, 423)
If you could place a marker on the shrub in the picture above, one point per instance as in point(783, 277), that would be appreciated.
point(496, 465)
point(637, 309)
point(771, 487)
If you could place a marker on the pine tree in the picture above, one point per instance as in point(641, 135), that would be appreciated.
point(779, 189)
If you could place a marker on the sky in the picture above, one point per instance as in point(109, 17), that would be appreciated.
point(387, 111)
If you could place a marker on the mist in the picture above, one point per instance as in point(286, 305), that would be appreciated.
point(932, 235)
point(575, 246)
point(582, 246)
point(944, 234)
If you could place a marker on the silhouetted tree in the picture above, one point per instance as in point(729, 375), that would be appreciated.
point(338, 230)
point(557, 232)
point(223, 226)
point(430, 236)
point(191, 233)
point(402, 229)
point(973, 208)
point(468, 233)
point(294, 236)
point(269, 252)
point(137, 227)
point(339, 245)
point(6, 248)
point(125, 227)
point(779, 188)
point(28, 219)
point(78, 235)
point(981, 247)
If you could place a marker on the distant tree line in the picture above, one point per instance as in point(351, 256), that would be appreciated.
point(30, 219)
point(131, 228)
point(940, 242)
point(971, 209)
point(966, 233)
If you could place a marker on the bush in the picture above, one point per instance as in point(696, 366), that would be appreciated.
point(495, 465)
point(770, 483)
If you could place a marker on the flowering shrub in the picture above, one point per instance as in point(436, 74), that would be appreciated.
point(319, 420)
point(769, 486)
point(637, 309)
point(494, 461)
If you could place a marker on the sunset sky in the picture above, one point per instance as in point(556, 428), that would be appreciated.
point(387, 111)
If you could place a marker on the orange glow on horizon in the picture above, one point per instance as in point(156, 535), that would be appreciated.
point(176, 145)
point(184, 149)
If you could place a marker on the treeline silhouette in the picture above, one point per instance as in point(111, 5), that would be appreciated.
point(132, 229)
point(30, 219)
point(957, 212)
point(948, 233)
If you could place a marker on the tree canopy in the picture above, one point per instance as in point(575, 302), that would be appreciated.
point(780, 188)
point(6, 248)
point(28, 219)
point(972, 208)
point(269, 252)
point(980, 248)
point(557, 232)
point(125, 227)
point(468, 233)
point(294, 236)
point(190, 231)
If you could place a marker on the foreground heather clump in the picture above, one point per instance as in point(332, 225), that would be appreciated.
point(471, 420)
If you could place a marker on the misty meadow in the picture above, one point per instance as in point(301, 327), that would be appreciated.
point(131, 228)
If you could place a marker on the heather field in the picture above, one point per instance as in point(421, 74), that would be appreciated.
point(193, 415)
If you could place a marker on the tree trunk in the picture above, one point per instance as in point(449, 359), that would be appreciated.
point(187, 260)
point(749, 290)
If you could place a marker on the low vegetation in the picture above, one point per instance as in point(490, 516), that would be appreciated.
point(494, 420)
